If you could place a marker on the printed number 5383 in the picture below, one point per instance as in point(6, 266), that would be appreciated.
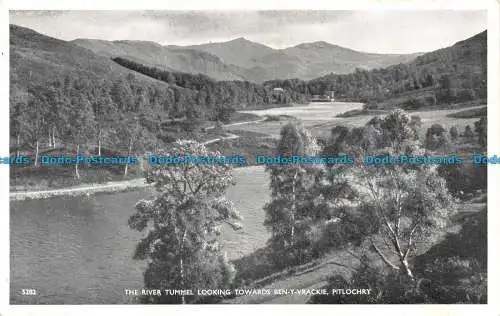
point(28, 292)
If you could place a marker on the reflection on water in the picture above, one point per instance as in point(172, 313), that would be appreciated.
point(79, 250)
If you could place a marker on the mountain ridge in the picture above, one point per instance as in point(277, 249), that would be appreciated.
point(242, 59)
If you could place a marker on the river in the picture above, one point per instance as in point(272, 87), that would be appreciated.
point(78, 250)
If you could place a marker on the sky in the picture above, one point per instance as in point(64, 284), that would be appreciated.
point(368, 31)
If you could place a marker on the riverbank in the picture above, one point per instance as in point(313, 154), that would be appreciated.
point(239, 140)
point(110, 187)
point(85, 190)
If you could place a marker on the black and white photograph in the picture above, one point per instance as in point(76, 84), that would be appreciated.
point(248, 157)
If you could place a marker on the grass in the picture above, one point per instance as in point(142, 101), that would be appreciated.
point(264, 106)
point(277, 118)
point(43, 177)
point(469, 242)
point(471, 113)
point(321, 122)
point(426, 99)
point(31, 178)
point(243, 117)
point(250, 144)
point(271, 128)
point(361, 112)
point(466, 254)
point(428, 118)
point(465, 238)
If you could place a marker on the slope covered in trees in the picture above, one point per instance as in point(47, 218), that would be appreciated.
point(450, 75)
point(64, 94)
point(165, 57)
point(54, 76)
point(211, 93)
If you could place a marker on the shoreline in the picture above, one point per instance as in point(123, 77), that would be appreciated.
point(85, 190)
point(109, 187)
point(80, 190)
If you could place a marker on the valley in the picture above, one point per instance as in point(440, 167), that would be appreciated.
point(82, 234)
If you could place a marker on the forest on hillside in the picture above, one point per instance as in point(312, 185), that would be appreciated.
point(450, 75)
point(215, 94)
point(76, 108)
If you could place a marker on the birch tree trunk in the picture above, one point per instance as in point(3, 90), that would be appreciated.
point(36, 152)
point(183, 299)
point(293, 210)
point(77, 174)
point(99, 143)
point(384, 258)
point(18, 141)
point(129, 151)
point(406, 268)
point(50, 139)
point(54, 136)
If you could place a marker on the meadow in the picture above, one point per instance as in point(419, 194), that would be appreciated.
point(321, 117)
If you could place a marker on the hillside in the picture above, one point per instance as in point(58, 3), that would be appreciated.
point(304, 61)
point(67, 99)
point(36, 59)
point(320, 58)
point(43, 68)
point(241, 59)
point(240, 52)
point(451, 75)
point(167, 58)
point(63, 93)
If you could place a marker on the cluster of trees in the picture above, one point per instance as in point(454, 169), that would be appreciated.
point(437, 138)
point(481, 129)
point(402, 204)
point(406, 80)
point(379, 211)
point(213, 94)
point(453, 271)
point(79, 113)
point(290, 215)
point(79, 110)
point(462, 180)
point(386, 210)
point(182, 225)
point(82, 113)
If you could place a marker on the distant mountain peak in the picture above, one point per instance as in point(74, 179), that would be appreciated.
point(318, 44)
point(242, 40)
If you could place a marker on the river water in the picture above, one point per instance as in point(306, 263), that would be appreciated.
point(78, 250)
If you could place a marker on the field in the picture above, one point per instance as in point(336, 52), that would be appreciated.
point(320, 118)
point(471, 113)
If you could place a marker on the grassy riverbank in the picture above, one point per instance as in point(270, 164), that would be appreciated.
point(81, 190)
point(41, 178)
